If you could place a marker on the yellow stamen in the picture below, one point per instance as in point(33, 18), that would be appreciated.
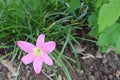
point(37, 52)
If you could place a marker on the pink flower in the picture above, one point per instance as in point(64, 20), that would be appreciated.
point(37, 54)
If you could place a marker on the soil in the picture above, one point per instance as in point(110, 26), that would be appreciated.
point(104, 67)
point(94, 66)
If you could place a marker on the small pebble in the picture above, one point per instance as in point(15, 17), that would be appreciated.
point(104, 60)
point(118, 74)
point(98, 55)
point(91, 77)
point(110, 77)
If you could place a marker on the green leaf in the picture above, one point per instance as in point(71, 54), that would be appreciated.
point(109, 36)
point(92, 21)
point(74, 4)
point(94, 31)
point(109, 13)
point(98, 3)
point(117, 46)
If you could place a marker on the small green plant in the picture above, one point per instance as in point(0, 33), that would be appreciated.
point(104, 22)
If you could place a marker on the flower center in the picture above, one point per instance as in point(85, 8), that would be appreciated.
point(37, 52)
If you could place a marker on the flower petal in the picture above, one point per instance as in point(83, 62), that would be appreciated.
point(46, 59)
point(48, 47)
point(40, 40)
point(27, 59)
point(27, 47)
point(37, 65)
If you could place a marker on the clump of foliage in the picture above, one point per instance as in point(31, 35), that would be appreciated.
point(104, 22)
point(27, 19)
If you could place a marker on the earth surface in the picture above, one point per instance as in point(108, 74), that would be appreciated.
point(94, 66)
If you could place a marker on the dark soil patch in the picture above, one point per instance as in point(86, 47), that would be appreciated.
point(101, 69)
point(106, 68)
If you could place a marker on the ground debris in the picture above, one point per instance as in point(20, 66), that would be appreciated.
point(118, 73)
point(106, 68)
point(91, 77)
point(79, 49)
point(86, 56)
point(12, 70)
point(98, 55)
point(8, 65)
point(59, 77)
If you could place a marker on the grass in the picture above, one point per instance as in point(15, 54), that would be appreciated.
point(26, 19)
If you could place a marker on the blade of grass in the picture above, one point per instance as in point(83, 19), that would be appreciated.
point(66, 71)
point(61, 64)
point(74, 51)
point(5, 46)
point(6, 55)
point(64, 46)
point(18, 70)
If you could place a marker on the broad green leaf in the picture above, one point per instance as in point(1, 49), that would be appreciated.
point(117, 46)
point(109, 13)
point(92, 20)
point(74, 4)
point(98, 3)
point(94, 31)
point(110, 35)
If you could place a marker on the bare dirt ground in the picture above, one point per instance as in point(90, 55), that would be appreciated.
point(94, 66)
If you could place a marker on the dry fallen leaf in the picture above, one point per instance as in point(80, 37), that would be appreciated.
point(117, 73)
point(59, 77)
point(8, 65)
point(86, 56)
point(79, 49)
point(104, 60)
point(98, 55)
point(48, 76)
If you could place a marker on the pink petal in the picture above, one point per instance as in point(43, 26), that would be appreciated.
point(27, 47)
point(27, 59)
point(48, 47)
point(40, 40)
point(37, 65)
point(46, 59)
